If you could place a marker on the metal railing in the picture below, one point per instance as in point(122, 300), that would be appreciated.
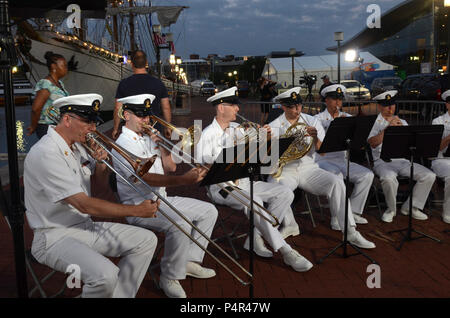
point(414, 112)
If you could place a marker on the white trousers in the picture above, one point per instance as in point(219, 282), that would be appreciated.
point(442, 169)
point(388, 172)
point(279, 200)
point(87, 244)
point(178, 247)
point(311, 178)
point(360, 176)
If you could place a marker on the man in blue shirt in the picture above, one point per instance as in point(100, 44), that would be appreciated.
point(142, 83)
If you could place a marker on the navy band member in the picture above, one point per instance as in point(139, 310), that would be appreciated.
point(388, 171)
point(441, 165)
point(59, 208)
point(181, 255)
point(218, 135)
point(305, 173)
point(336, 162)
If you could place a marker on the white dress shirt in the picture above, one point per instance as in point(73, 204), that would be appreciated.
point(53, 171)
point(213, 140)
point(325, 119)
point(379, 125)
point(443, 120)
point(144, 147)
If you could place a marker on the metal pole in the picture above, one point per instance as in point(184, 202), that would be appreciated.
point(339, 61)
point(8, 59)
point(158, 61)
point(292, 71)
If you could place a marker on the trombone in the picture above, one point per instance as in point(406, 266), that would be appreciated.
point(104, 141)
point(151, 129)
point(140, 165)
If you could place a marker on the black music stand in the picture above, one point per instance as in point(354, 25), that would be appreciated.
point(245, 163)
point(346, 133)
point(411, 142)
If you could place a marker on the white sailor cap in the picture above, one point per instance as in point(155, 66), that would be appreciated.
point(387, 98)
point(289, 97)
point(446, 96)
point(140, 104)
point(334, 91)
point(84, 105)
point(229, 95)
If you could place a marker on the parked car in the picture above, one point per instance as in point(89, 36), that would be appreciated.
point(383, 84)
point(208, 88)
point(427, 86)
point(243, 88)
point(423, 87)
point(355, 90)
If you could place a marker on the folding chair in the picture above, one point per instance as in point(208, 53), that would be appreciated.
point(29, 259)
point(297, 193)
point(231, 235)
point(401, 195)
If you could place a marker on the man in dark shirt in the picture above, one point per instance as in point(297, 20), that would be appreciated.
point(326, 82)
point(142, 83)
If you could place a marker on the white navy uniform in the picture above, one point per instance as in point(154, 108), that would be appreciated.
point(388, 172)
point(63, 236)
point(279, 198)
point(336, 162)
point(441, 165)
point(178, 248)
point(306, 174)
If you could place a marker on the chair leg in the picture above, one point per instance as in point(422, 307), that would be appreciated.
point(309, 210)
point(155, 265)
point(38, 282)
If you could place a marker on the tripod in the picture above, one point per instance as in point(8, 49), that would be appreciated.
point(411, 141)
point(345, 242)
point(409, 230)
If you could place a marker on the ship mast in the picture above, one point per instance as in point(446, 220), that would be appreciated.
point(131, 23)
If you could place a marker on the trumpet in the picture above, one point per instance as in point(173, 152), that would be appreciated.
point(140, 165)
point(105, 142)
point(150, 129)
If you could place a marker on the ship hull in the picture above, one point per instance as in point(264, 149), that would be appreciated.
point(94, 73)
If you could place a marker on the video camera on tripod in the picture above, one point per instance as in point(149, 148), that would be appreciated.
point(308, 81)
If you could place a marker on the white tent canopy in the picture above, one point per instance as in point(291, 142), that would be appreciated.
point(280, 69)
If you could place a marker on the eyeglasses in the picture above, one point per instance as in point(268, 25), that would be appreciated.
point(84, 120)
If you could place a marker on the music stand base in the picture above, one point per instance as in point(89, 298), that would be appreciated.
point(345, 255)
point(408, 238)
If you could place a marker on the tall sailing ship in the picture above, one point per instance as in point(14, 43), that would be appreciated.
point(97, 53)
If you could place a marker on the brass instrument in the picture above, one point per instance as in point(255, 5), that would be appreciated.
point(297, 149)
point(140, 165)
point(94, 138)
point(188, 138)
point(149, 129)
point(251, 130)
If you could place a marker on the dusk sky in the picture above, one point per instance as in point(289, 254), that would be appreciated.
point(257, 27)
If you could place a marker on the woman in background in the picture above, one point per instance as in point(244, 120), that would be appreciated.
point(46, 91)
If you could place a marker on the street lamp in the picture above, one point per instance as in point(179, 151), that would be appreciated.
point(338, 37)
point(292, 53)
point(352, 55)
